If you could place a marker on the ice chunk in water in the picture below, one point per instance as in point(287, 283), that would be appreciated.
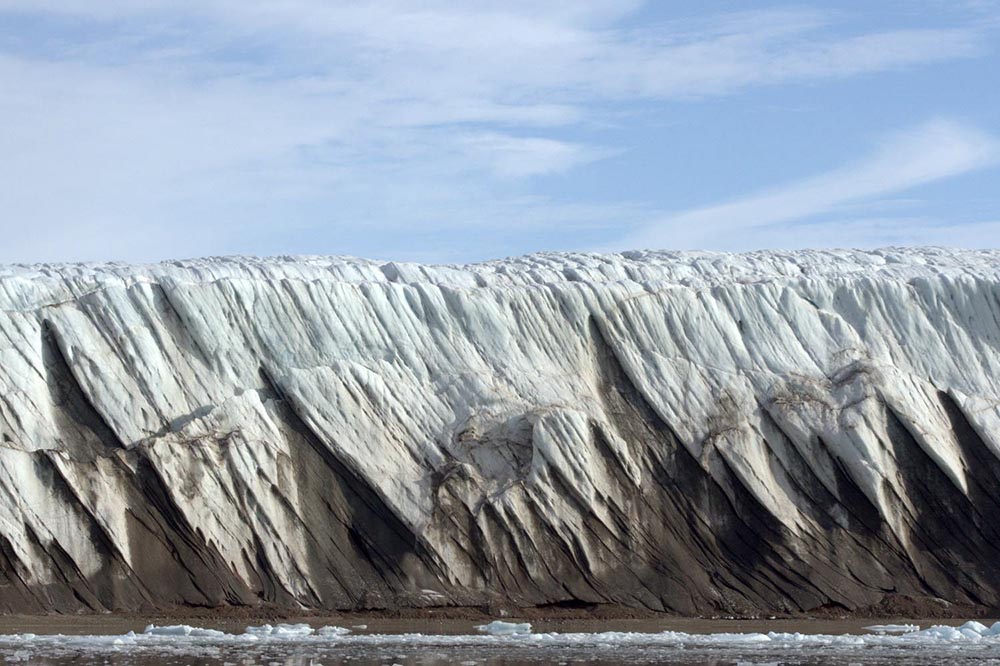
point(281, 630)
point(335, 631)
point(893, 628)
point(182, 630)
point(501, 628)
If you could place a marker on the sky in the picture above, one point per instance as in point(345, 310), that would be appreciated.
point(462, 131)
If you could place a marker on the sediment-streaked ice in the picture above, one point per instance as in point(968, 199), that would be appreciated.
point(703, 433)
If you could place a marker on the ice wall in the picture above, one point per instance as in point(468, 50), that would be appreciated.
point(684, 431)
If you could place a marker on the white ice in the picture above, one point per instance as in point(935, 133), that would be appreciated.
point(893, 628)
point(807, 348)
point(499, 633)
point(501, 628)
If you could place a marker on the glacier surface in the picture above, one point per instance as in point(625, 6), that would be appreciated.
point(695, 432)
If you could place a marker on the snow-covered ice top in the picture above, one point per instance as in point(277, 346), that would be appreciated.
point(687, 268)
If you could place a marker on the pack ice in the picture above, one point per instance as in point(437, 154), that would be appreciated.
point(696, 432)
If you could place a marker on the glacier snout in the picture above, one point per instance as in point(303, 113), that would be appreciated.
point(691, 432)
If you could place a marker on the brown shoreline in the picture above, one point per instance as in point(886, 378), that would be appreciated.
point(896, 608)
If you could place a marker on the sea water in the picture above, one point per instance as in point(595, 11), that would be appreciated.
point(501, 642)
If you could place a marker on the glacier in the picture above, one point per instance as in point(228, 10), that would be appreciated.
point(684, 431)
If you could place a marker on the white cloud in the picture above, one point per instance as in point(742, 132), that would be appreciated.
point(176, 126)
point(765, 53)
point(874, 232)
point(517, 157)
point(933, 151)
point(519, 49)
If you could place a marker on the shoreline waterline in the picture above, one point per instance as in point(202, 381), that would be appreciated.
point(503, 642)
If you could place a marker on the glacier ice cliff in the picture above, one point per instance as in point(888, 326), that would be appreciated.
point(694, 432)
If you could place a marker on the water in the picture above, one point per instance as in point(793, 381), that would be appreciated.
point(107, 642)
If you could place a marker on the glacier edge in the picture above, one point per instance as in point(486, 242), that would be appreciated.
point(693, 432)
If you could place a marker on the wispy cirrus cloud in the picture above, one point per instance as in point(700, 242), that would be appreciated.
point(930, 152)
point(873, 232)
point(149, 120)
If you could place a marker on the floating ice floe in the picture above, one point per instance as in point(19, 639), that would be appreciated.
point(511, 638)
point(181, 630)
point(893, 628)
point(301, 629)
point(501, 628)
point(499, 632)
point(970, 631)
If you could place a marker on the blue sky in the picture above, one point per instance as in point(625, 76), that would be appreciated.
point(461, 131)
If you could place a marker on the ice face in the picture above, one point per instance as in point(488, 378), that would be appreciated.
point(697, 432)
